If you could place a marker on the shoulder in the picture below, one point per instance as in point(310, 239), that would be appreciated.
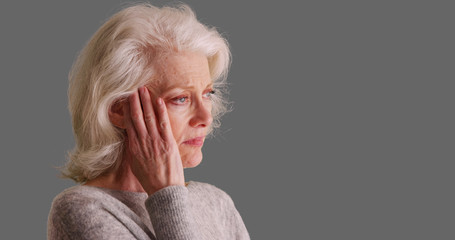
point(69, 211)
point(78, 202)
point(78, 196)
point(77, 191)
point(205, 192)
point(206, 188)
point(88, 212)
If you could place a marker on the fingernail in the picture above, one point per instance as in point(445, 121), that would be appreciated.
point(160, 101)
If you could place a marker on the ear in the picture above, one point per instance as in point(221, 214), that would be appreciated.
point(117, 114)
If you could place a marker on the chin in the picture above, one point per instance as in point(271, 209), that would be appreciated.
point(193, 160)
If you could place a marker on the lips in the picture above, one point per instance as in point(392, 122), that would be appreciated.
point(197, 142)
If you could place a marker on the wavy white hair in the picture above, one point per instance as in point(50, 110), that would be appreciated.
point(118, 59)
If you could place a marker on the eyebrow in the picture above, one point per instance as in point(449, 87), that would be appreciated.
point(178, 86)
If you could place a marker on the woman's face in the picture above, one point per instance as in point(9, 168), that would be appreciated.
point(185, 85)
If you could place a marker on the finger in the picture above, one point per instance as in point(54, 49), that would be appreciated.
point(137, 117)
point(130, 131)
point(164, 123)
point(149, 113)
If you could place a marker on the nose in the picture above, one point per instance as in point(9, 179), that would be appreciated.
point(202, 115)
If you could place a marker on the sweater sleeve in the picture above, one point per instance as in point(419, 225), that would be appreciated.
point(170, 214)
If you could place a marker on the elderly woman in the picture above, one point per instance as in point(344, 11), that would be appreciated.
point(144, 93)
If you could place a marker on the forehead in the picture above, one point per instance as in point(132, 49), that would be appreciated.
point(183, 70)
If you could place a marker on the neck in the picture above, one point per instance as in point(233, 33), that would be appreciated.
point(121, 178)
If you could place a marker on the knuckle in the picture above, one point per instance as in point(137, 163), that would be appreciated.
point(149, 118)
point(162, 110)
point(163, 124)
point(136, 116)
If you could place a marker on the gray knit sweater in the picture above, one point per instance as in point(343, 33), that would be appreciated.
point(198, 211)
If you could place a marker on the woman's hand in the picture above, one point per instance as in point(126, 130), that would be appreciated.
point(155, 157)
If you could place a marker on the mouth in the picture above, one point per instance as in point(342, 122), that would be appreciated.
point(196, 142)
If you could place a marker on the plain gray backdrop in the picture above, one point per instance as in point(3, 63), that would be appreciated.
point(342, 125)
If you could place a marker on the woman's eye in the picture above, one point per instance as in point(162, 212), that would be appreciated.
point(180, 100)
point(209, 94)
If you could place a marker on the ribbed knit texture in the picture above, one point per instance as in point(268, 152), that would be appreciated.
point(198, 211)
point(169, 214)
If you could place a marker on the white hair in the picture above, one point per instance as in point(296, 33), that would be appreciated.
point(118, 59)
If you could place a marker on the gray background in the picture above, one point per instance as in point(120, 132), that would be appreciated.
point(342, 125)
